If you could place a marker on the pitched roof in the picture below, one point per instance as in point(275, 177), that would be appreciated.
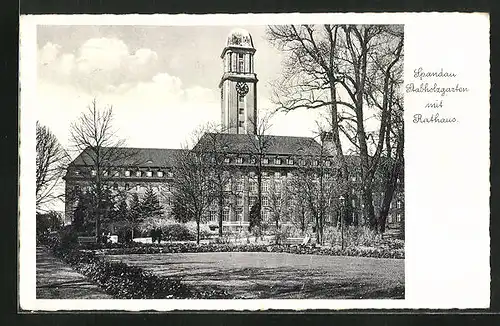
point(126, 156)
point(244, 143)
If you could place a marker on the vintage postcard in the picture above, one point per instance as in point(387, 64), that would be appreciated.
point(254, 161)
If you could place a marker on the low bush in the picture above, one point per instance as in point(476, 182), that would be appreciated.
point(380, 252)
point(128, 282)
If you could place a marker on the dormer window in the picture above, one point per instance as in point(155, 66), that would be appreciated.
point(253, 160)
point(265, 160)
point(239, 160)
point(138, 173)
point(170, 174)
point(328, 163)
point(315, 163)
point(93, 172)
point(290, 161)
point(159, 174)
point(127, 173)
point(277, 175)
point(277, 161)
point(227, 160)
point(302, 162)
point(149, 174)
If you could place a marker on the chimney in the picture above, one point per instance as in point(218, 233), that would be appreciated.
point(328, 144)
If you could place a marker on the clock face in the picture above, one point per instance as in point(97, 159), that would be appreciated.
point(242, 88)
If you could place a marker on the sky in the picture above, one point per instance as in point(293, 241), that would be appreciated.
point(162, 81)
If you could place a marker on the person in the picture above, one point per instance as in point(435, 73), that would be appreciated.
point(158, 235)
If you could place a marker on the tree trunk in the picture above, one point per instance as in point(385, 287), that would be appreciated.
point(220, 203)
point(198, 230)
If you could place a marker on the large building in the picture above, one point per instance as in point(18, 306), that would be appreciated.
point(142, 168)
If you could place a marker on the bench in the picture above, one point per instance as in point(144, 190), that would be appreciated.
point(82, 240)
point(297, 241)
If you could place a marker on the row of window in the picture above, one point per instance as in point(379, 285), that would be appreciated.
point(275, 161)
point(129, 173)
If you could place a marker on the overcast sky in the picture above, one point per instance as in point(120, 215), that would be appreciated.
point(161, 81)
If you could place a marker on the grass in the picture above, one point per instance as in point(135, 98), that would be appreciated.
point(279, 275)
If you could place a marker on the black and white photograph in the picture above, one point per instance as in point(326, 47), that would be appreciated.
point(261, 162)
point(244, 162)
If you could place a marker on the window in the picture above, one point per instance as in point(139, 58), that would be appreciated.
point(265, 201)
point(227, 160)
point(399, 204)
point(239, 215)
point(277, 161)
point(213, 216)
point(353, 178)
point(240, 185)
point(241, 98)
point(239, 201)
point(290, 161)
point(251, 174)
point(227, 186)
point(353, 203)
point(241, 124)
point(127, 173)
point(264, 174)
point(93, 172)
point(253, 160)
point(265, 186)
point(239, 160)
point(241, 64)
point(398, 218)
point(225, 215)
point(77, 172)
point(277, 174)
point(242, 111)
point(353, 191)
point(265, 160)
point(289, 174)
point(328, 163)
point(315, 163)
point(138, 173)
point(252, 200)
point(149, 173)
point(253, 186)
point(170, 174)
point(302, 162)
point(159, 174)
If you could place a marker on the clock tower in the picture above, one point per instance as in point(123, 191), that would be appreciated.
point(238, 84)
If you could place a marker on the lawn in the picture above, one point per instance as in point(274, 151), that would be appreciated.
point(280, 275)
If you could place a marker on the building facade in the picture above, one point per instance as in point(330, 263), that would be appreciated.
point(278, 163)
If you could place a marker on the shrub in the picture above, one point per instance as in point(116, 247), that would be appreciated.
point(178, 232)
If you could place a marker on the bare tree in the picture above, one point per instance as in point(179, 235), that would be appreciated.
point(326, 61)
point(259, 144)
point(318, 183)
point(51, 162)
point(279, 199)
point(102, 151)
point(194, 190)
point(215, 144)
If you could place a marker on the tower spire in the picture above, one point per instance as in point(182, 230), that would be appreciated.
point(238, 84)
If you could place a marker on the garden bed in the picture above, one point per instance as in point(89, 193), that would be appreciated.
point(129, 282)
point(116, 249)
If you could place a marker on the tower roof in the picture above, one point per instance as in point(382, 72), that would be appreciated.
point(239, 37)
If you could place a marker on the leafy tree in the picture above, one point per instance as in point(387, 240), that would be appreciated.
point(150, 205)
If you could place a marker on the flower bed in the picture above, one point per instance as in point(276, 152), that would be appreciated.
point(128, 282)
point(382, 252)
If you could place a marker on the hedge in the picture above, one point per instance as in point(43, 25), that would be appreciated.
point(382, 252)
point(128, 282)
